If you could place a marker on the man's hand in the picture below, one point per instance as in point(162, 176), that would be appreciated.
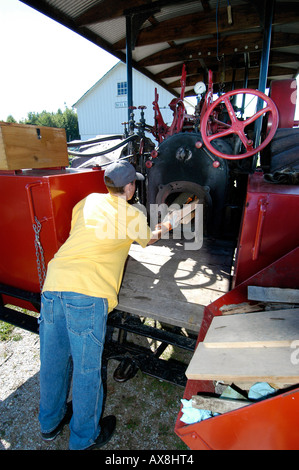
point(173, 218)
point(169, 222)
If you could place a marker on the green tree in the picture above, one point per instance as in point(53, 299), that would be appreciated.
point(71, 126)
point(32, 118)
point(67, 119)
point(10, 118)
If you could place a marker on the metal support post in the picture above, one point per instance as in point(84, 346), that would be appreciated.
point(129, 63)
point(268, 18)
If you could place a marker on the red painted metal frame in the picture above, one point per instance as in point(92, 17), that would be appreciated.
point(50, 195)
point(271, 424)
point(270, 226)
point(268, 425)
point(161, 130)
point(268, 256)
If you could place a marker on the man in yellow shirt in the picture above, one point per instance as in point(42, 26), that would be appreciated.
point(81, 288)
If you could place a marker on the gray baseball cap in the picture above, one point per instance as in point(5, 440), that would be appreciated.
point(121, 173)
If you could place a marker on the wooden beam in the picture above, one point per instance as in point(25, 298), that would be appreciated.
point(237, 43)
point(239, 75)
point(195, 25)
point(231, 61)
point(218, 405)
point(203, 23)
point(202, 48)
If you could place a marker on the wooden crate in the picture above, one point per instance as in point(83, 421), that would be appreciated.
point(25, 146)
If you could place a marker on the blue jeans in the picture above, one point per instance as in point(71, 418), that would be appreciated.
point(72, 334)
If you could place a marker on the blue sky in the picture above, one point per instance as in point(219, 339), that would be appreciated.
point(44, 66)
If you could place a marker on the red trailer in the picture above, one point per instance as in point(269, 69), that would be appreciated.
point(243, 168)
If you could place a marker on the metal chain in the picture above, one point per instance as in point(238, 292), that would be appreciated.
point(39, 252)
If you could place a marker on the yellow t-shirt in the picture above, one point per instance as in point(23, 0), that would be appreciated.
point(92, 259)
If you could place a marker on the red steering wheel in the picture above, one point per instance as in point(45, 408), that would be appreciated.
point(212, 128)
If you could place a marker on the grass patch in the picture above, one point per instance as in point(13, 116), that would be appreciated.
point(5, 331)
point(133, 424)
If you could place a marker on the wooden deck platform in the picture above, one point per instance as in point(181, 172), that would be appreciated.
point(167, 283)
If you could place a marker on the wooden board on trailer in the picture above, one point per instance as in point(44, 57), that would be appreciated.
point(172, 285)
point(273, 294)
point(277, 328)
point(272, 365)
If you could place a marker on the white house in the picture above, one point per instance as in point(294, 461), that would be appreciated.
point(103, 108)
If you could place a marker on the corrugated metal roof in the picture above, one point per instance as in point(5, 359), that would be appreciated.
point(111, 30)
point(72, 8)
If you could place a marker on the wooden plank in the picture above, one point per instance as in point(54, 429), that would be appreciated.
point(165, 249)
point(278, 328)
point(218, 281)
point(163, 287)
point(187, 211)
point(173, 312)
point(244, 307)
point(273, 294)
point(218, 405)
point(25, 146)
point(272, 365)
point(169, 284)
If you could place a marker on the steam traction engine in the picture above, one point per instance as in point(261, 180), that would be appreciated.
point(210, 156)
point(212, 165)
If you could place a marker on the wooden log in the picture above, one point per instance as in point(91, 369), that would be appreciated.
point(218, 405)
point(244, 307)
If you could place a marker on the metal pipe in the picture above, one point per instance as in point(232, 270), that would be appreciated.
point(103, 152)
point(129, 62)
point(80, 143)
point(268, 18)
point(245, 83)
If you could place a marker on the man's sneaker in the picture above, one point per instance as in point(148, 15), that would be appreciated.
point(108, 425)
point(50, 436)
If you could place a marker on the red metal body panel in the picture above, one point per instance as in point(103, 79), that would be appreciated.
point(270, 226)
point(49, 195)
point(268, 425)
point(271, 424)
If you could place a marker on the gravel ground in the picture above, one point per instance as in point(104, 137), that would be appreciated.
point(146, 408)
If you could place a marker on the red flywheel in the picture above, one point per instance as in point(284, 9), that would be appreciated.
point(212, 128)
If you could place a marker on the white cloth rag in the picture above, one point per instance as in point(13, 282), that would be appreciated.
point(194, 415)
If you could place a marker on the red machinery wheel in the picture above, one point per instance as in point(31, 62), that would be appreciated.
point(212, 128)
